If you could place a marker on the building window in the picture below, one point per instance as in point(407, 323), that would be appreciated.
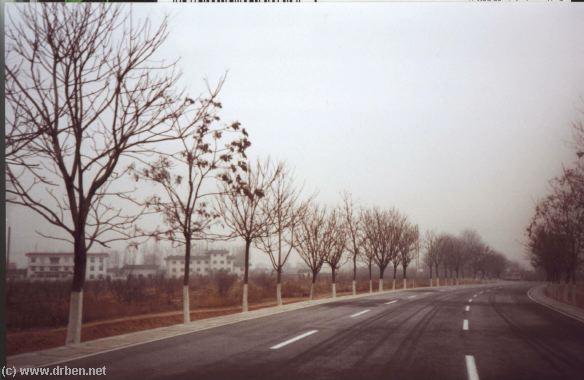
point(222, 262)
point(92, 259)
point(91, 277)
point(198, 269)
point(174, 269)
point(174, 262)
point(101, 259)
point(101, 267)
point(54, 260)
point(92, 268)
point(33, 259)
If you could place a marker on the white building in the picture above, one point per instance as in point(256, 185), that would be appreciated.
point(211, 261)
point(59, 266)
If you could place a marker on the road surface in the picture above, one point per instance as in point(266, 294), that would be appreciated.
point(488, 332)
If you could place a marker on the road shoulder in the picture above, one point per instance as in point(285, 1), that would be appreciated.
point(537, 295)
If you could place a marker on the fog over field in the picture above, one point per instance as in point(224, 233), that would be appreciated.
point(457, 116)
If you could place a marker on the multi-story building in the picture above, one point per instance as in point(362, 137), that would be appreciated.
point(210, 261)
point(59, 266)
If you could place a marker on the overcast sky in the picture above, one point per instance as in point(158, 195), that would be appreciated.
point(456, 114)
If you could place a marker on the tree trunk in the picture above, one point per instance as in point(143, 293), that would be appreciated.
point(394, 277)
point(405, 283)
point(381, 272)
point(279, 288)
point(405, 268)
point(312, 286)
point(370, 279)
point(75, 313)
point(186, 305)
point(244, 305)
point(431, 284)
point(334, 284)
point(76, 297)
point(354, 285)
point(186, 275)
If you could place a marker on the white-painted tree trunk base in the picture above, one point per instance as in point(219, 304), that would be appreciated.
point(438, 281)
point(186, 305)
point(334, 290)
point(75, 314)
point(354, 287)
point(311, 291)
point(431, 283)
point(393, 284)
point(405, 283)
point(380, 284)
point(279, 294)
point(244, 305)
point(370, 286)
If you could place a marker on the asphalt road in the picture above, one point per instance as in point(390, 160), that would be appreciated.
point(420, 336)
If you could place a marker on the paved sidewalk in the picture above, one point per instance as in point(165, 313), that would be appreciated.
point(75, 351)
point(537, 294)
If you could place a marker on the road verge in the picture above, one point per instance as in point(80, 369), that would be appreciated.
point(537, 295)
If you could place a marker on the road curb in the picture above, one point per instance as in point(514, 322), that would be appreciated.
point(537, 295)
point(58, 355)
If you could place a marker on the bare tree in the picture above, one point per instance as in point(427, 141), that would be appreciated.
point(83, 95)
point(189, 178)
point(407, 245)
point(367, 251)
point(335, 245)
point(283, 211)
point(431, 244)
point(355, 234)
point(240, 207)
point(383, 229)
point(396, 226)
point(438, 255)
point(312, 238)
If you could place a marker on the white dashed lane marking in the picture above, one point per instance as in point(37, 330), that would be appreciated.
point(296, 338)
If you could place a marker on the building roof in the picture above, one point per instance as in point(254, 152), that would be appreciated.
point(89, 254)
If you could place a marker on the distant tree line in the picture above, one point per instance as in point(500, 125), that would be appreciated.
point(556, 230)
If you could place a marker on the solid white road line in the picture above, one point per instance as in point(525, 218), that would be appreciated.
point(411, 296)
point(471, 368)
point(467, 308)
point(301, 336)
point(390, 302)
point(360, 313)
point(465, 324)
